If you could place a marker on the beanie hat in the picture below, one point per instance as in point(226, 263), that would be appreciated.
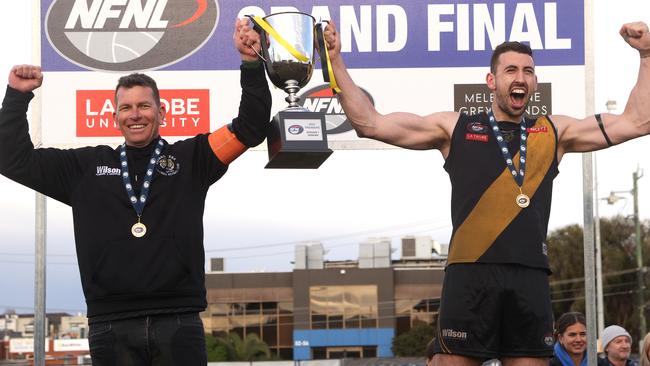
point(612, 332)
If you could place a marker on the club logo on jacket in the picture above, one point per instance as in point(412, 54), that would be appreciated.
point(106, 170)
point(167, 165)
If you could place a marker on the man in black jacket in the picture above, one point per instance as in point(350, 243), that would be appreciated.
point(138, 210)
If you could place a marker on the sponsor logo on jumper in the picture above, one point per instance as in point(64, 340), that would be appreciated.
point(476, 137)
point(477, 127)
point(187, 113)
point(295, 129)
point(125, 35)
point(167, 165)
point(106, 170)
point(321, 100)
point(545, 249)
point(543, 129)
point(451, 333)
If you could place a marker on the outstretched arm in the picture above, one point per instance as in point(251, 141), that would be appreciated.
point(50, 171)
point(585, 135)
point(402, 129)
point(248, 129)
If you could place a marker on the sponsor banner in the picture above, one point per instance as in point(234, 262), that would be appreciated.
point(25, 345)
point(72, 345)
point(78, 106)
point(411, 56)
point(477, 98)
point(187, 112)
point(124, 35)
point(419, 91)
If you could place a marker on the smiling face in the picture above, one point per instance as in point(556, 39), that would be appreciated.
point(574, 339)
point(138, 115)
point(512, 81)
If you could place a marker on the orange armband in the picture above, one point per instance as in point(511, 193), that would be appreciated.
point(225, 145)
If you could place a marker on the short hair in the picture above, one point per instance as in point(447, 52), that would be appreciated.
point(568, 319)
point(508, 47)
point(138, 79)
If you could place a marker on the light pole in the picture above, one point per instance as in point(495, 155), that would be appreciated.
point(639, 254)
point(600, 303)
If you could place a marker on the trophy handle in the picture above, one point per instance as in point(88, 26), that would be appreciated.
point(263, 42)
point(328, 74)
point(322, 49)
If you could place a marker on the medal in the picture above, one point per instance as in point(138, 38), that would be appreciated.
point(139, 229)
point(522, 200)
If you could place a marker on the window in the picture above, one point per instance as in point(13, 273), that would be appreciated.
point(336, 307)
point(249, 311)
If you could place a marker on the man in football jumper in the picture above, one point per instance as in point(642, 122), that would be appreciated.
point(495, 300)
point(138, 210)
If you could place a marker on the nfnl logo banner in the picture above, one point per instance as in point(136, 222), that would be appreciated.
point(125, 35)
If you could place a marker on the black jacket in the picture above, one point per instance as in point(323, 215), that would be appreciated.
point(605, 362)
point(120, 273)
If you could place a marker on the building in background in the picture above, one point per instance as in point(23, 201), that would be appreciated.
point(66, 341)
point(331, 309)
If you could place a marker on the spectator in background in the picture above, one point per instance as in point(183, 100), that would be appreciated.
point(571, 340)
point(644, 355)
point(617, 344)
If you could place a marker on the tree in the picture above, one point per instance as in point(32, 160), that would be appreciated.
point(216, 352)
point(251, 348)
point(565, 255)
point(414, 342)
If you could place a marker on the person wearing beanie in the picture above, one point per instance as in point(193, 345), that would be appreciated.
point(617, 344)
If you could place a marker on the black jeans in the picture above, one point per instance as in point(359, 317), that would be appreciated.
point(166, 339)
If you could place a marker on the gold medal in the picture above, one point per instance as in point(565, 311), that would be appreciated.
point(138, 229)
point(522, 200)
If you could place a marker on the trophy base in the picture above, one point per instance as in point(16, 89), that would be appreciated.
point(297, 140)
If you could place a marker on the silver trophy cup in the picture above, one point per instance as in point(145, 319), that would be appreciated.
point(284, 69)
point(298, 137)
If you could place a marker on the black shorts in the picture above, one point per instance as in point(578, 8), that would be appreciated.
point(495, 310)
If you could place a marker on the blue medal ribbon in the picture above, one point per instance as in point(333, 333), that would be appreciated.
point(139, 202)
point(518, 175)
